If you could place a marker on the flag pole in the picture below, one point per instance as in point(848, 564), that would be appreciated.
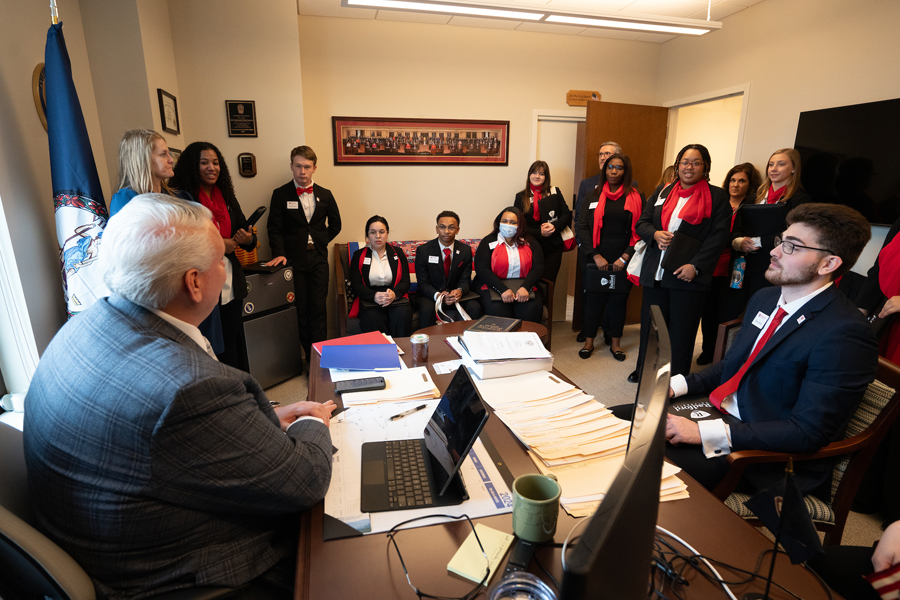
point(54, 13)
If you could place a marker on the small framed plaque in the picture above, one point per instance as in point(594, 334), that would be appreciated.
point(168, 111)
point(241, 118)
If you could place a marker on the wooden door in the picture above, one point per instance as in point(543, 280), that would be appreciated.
point(641, 132)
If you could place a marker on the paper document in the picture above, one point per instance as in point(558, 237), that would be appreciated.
point(503, 346)
point(411, 384)
point(448, 366)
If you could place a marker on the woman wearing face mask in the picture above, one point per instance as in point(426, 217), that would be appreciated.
point(699, 213)
point(606, 238)
point(546, 215)
point(782, 191)
point(379, 274)
point(202, 172)
point(510, 262)
point(724, 303)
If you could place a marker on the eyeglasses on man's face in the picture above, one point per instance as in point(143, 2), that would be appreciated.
point(788, 247)
point(447, 227)
point(605, 154)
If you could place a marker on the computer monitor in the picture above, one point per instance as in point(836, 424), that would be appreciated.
point(612, 559)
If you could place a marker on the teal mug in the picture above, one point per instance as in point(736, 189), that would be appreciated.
point(535, 507)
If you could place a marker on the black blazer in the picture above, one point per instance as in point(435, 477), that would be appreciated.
point(289, 230)
point(359, 273)
point(584, 227)
point(712, 232)
point(584, 188)
point(768, 241)
point(553, 209)
point(430, 276)
point(238, 221)
point(486, 276)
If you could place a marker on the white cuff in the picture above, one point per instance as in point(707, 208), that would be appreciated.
point(678, 385)
point(436, 296)
point(715, 436)
point(306, 418)
point(757, 241)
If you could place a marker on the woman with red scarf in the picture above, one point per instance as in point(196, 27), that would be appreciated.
point(546, 215)
point(700, 215)
point(782, 191)
point(201, 171)
point(606, 237)
point(379, 274)
point(881, 293)
point(510, 262)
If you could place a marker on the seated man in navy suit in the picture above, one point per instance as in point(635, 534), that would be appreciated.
point(799, 367)
point(154, 465)
point(444, 270)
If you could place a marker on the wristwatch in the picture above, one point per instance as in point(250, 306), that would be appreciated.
point(696, 270)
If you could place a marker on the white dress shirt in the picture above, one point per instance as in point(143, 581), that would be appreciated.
point(188, 330)
point(443, 247)
point(715, 434)
point(512, 255)
point(308, 202)
point(380, 273)
point(674, 224)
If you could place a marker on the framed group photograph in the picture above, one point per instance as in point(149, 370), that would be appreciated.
point(168, 111)
point(382, 141)
point(241, 118)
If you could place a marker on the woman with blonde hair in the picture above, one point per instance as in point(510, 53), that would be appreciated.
point(782, 191)
point(145, 166)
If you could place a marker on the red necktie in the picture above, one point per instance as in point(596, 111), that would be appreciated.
point(729, 387)
point(301, 190)
point(446, 266)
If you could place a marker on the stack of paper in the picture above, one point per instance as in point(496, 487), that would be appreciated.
point(568, 434)
point(400, 386)
point(491, 368)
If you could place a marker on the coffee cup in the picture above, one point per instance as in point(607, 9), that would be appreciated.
point(535, 507)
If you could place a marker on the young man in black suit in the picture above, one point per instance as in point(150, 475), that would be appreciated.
point(444, 269)
point(303, 219)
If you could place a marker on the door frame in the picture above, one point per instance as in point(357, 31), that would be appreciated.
point(575, 114)
point(742, 90)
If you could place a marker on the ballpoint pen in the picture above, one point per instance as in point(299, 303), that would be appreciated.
point(409, 412)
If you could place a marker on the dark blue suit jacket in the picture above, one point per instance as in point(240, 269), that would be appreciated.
point(802, 388)
point(430, 276)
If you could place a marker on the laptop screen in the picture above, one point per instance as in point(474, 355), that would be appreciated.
point(454, 427)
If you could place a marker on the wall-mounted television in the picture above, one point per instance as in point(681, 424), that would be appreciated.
point(851, 155)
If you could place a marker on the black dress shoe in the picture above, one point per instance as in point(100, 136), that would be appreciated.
point(618, 355)
point(585, 353)
point(634, 377)
point(705, 358)
point(581, 337)
point(607, 339)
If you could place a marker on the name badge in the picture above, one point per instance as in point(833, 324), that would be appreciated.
point(294, 204)
point(367, 261)
point(593, 205)
point(760, 320)
point(660, 202)
point(433, 259)
point(493, 244)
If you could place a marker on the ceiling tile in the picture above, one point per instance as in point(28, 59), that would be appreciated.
point(412, 17)
point(333, 9)
point(550, 28)
point(718, 12)
point(616, 34)
point(659, 38)
point(592, 6)
point(483, 22)
point(666, 8)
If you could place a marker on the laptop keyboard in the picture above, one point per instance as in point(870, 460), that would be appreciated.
point(407, 478)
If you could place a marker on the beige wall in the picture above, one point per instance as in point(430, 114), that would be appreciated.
point(376, 68)
point(25, 188)
point(159, 62)
point(716, 123)
point(232, 50)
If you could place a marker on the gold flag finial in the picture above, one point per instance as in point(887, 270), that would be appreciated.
point(54, 13)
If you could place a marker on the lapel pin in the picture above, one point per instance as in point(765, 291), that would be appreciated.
point(801, 319)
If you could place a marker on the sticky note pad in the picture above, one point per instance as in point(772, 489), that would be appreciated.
point(469, 562)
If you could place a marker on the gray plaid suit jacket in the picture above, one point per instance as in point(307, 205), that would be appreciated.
point(157, 467)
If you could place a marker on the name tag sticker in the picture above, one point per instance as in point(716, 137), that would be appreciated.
point(801, 319)
point(293, 204)
point(433, 259)
point(660, 202)
point(493, 244)
point(593, 205)
point(760, 319)
point(367, 261)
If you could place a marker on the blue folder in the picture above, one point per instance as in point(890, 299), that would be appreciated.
point(361, 358)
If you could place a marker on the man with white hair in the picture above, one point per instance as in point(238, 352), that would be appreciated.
point(155, 466)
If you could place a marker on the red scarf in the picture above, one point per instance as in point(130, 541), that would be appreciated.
point(889, 282)
point(536, 192)
point(697, 208)
point(775, 195)
point(632, 204)
point(216, 206)
point(500, 259)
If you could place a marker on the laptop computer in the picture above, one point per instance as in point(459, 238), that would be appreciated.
point(404, 474)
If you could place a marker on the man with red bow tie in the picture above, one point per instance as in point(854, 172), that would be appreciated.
point(303, 219)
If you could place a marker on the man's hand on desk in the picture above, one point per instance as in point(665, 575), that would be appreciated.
point(681, 431)
point(290, 413)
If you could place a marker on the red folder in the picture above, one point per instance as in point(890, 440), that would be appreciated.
point(373, 337)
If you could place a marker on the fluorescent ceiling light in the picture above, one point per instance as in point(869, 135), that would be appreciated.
point(447, 8)
point(625, 25)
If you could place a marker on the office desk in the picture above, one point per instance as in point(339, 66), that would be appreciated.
point(367, 567)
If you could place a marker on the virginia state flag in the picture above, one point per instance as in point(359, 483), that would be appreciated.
point(77, 197)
